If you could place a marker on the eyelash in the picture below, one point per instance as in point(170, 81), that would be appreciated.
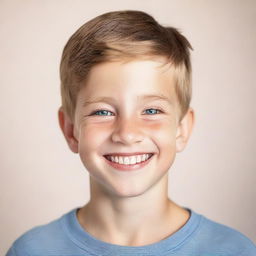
point(101, 110)
point(158, 110)
point(94, 113)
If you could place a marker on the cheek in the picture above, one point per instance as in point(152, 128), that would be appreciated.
point(164, 137)
point(164, 132)
point(91, 137)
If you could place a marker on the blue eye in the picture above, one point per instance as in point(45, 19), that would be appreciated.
point(102, 113)
point(152, 111)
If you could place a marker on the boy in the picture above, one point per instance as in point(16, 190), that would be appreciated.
point(126, 90)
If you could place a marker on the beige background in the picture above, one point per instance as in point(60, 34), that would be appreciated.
point(41, 179)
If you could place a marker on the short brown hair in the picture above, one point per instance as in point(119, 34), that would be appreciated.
point(119, 35)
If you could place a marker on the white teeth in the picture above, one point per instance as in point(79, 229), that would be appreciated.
point(128, 160)
point(133, 160)
point(120, 160)
point(138, 159)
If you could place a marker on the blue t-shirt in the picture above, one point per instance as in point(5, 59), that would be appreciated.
point(198, 237)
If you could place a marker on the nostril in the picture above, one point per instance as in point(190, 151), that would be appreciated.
point(127, 135)
point(127, 139)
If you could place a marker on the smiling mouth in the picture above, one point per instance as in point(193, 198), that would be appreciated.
point(129, 160)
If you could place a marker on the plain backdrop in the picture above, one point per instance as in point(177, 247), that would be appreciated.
point(41, 179)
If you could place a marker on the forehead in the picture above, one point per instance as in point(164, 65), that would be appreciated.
point(130, 79)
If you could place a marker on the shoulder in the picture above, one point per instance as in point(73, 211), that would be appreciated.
point(41, 240)
point(223, 239)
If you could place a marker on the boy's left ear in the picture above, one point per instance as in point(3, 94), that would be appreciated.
point(184, 130)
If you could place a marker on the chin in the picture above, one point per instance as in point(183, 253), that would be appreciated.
point(129, 192)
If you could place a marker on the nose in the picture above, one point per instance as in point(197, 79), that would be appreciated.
point(127, 131)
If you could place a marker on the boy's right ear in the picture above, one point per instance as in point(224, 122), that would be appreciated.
point(67, 128)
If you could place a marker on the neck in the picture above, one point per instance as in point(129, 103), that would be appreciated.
point(136, 220)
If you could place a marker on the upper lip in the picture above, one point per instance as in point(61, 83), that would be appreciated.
point(128, 154)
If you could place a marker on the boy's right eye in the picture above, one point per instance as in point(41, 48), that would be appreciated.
point(102, 113)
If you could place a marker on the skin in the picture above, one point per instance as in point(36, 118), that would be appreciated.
point(129, 208)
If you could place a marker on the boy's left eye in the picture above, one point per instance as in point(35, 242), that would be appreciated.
point(152, 111)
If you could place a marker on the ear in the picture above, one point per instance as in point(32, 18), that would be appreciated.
point(67, 128)
point(184, 130)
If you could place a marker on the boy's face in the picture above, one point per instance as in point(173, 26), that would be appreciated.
point(128, 108)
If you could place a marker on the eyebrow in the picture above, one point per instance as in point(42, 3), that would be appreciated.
point(97, 100)
point(156, 97)
point(139, 98)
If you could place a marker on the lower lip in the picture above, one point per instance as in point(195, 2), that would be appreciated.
point(130, 167)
